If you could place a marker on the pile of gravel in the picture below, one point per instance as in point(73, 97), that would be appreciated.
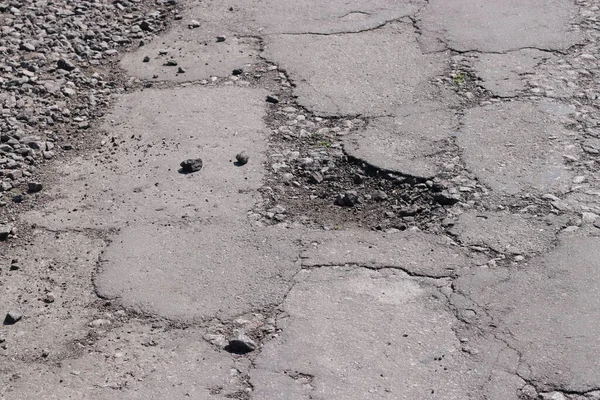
point(58, 72)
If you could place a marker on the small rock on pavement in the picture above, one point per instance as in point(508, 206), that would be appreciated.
point(5, 231)
point(171, 63)
point(34, 187)
point(221, 39)
point(49, 298)
point(191, 165)
point(240, 343)
point(146, 59)
point(242, 158)
point(272, 99)
point(12, 317)
point(194, 24)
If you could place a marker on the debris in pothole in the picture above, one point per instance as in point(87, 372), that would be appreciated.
point(191, 165)
point(242, 158)
point(348, 199)
point(272, 99)
point(240, 343)
point(12, 317)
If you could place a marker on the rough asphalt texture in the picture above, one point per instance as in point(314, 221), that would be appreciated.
point(461, 260)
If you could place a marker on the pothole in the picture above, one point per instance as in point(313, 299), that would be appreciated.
point(312, 181)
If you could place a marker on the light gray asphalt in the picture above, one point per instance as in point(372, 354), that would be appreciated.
point(499, 302)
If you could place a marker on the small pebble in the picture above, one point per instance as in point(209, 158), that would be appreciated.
point(240, 343)
point(12, 317)
point(191, 165)
point(242, 158)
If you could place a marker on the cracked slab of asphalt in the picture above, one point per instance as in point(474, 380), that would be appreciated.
point(454, 144)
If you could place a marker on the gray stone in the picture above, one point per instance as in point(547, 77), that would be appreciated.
point(216, 339)
point(12, 317)
point(242, 158)
point(5, 231)
point(191, 165)
point(240, 343)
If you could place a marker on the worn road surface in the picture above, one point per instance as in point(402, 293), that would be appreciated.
point(418, 217)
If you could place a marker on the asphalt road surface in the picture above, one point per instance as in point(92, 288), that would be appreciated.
point(418, 217)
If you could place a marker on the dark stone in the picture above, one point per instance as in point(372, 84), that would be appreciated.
point(171, 63)
point(12, 317)
point(4, 232)
point(240, 344)
point(237, 72)
point(145, 26)
point(146, 59)
point(191, 165)
point(34, 187)
point(242, 158)
point(65, 64)
point(272, 99)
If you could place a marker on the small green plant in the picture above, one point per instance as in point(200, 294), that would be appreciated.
point(460, 78)
point(325, 143)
